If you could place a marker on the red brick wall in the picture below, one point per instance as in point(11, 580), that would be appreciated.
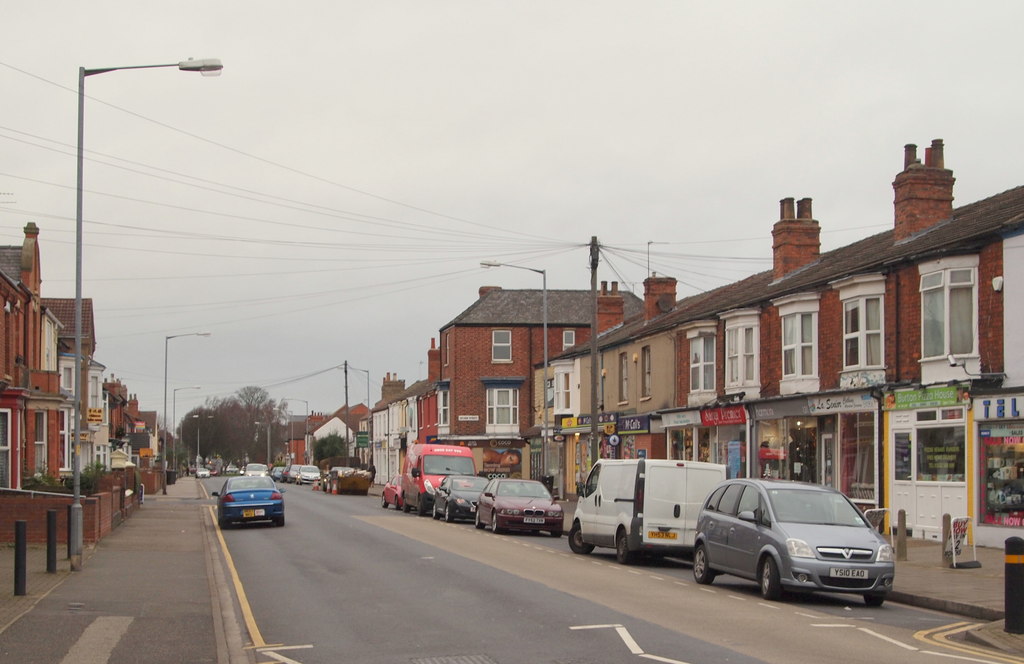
point(96, 517)
point(903, 325)
point(770, 351)
point(990, 309)
point(830, 340)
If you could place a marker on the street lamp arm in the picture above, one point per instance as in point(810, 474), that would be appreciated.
point(206, 67)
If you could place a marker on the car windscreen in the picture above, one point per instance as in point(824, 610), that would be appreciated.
point(434, 464)
point(469, 484)
point(310, 469)
point(819, 507)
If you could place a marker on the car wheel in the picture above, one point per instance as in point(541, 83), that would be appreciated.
point(874, 599)
point(384, 502)
point(406, 507)
point(223, 523)
point(494, 524)
point(279, 521)
point(702, 572)
point(576, 543)
point(771, 587)
point(622, 552)
point(421, 507)
point(434, 513)
point(448, 513)
point(478, 522)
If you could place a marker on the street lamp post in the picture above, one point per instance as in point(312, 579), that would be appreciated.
point(167, 340)
point(199, 430)
point(268, 439)
point(174, 418)
point(544, 383)
point(306, 458)
point(208, 67)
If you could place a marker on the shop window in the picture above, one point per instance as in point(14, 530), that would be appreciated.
point(857, 455)
point(948, 315)
point(1003, 462)
point(940, 454)
point(789, 449)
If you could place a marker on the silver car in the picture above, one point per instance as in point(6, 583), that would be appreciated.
point(791, 536)
point(306, 474)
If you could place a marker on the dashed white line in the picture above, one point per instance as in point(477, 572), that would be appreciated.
point(886, 638)
point(769, 606)
point(742, 599)
point(830, 625)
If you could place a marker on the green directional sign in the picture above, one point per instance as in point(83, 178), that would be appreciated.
point(362, 439)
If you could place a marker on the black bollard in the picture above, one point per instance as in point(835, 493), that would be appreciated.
point(20, 549)
point(1013, 600)
point(69, 532)
point(51, 541)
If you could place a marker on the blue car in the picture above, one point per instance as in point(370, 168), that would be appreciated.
point(247, 499)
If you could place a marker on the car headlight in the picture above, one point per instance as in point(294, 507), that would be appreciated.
point(885, 554)
point(460, 501)
point(798, 548)
point(428, 486)
point(554, 512)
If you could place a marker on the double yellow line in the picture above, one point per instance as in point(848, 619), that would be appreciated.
point(940, 636)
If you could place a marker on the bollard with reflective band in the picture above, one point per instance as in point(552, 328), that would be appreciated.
point(1013, 601)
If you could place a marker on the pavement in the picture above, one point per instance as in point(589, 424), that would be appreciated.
point(162, 569)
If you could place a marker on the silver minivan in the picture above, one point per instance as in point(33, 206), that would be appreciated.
point(791, 536)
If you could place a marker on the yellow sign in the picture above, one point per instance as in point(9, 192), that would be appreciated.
point(94, 415)
point(146, 452)
point(609, 428)
point(569, 422)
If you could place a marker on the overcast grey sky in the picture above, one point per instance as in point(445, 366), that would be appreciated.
point(331, 195)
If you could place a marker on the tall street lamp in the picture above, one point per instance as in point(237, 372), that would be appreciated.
point(544, 383)
point(174, 419)
point(199, 428)
point(268, 439)
point(209, 67)
point(368, 418)
point(305, 425)
point(167, 340)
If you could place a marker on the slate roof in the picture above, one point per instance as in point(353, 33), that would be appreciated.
point(64, 309)
point(971, 227)
point(10, 263)
point(526, 307)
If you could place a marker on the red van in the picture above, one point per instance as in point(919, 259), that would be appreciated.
point(425, 467)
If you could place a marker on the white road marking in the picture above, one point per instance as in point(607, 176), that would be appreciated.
point(708, 590)
point(629, 641)
point(886, 638)
point(280, 658)
point(284, 647)
point(662, 659)
point(594, 626)
point(681, 583)
point(769, 606)
point(98, 640)
point(742, 599)
point(830, 625)
point(657, 578)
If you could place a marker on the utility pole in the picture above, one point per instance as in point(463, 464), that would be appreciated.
point(348, 451)
point(595, 447)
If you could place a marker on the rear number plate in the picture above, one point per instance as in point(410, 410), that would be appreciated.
point(533, 520)
point(657, 534)
point(248, 514)
point(845, 573)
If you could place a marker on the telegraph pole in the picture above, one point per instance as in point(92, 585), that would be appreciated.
point(595, 447)
point(348, 451)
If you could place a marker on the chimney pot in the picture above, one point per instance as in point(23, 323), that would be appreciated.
point(803, 209)
point(909, 155)
point(786, 209)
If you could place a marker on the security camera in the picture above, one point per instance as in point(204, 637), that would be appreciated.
point(952, 360)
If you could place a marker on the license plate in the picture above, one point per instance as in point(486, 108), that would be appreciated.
point(846, 573)
point(657, 534)
point(533, 520)
point(472, 509)
point(248, 514)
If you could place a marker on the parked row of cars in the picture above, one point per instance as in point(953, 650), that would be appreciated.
point(295, 474)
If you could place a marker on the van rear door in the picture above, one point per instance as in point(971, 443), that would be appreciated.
point(673, 497)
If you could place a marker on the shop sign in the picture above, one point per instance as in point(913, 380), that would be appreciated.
point(685, 418)
point(926, 397)
point(775, 410)
point(94, 415)
point(1001, 432)
point(841, 403)
point(714, 417)
point(995, 409)
point(635, 424)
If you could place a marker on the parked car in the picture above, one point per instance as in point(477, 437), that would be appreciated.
point(307, 475)
point(232, 469)
point(457, 495)
point(286, 474)
point(425, 467)
point(791, 536)
point(513, 504)
point(255, 470)
point(392, 493)
point(276, 472)
point(202, 472)
point(247, 499)
point(647, 506)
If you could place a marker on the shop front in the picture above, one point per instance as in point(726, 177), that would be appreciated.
point(849, 444)
point(498, 457)
point(1000, 422)
point(927, 440)
point(715, 435)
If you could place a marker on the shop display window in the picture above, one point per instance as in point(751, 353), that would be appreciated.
point(857, 455)
point(788, 449)
point(941, 454)
point(1003, 461)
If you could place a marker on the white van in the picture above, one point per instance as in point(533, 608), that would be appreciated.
point(642, 506)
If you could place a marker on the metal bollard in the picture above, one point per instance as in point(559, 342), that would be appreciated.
point(69, 532)
point(901, 535)
point(1013, 600)
point(51, 541)
point(20, 550)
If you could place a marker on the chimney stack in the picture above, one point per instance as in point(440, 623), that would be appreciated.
point(796, 238)
point(433, 362)
point(611, 307)
point(484, 290)
point(923, 193)
point(659, 296)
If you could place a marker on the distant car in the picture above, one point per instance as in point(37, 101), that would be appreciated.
point(286, 473)
point(512, 504)
point(791, 536)
point(275, 473)
point(392, 493)
point(307, 475)
point(247, 499)
point(457, 495)
point(255, 470)
point(232, 469)
point(202, 473)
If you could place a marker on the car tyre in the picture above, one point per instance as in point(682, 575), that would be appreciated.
point(494, 524)
point(224, 524)
point(702, 572)
point(479, 524)
point(384, 502)
point(448, 517)
point(576, 543)
point(434, 513)
point(421, 507)
point(622, 552)
point(279, 521)
point(874, 599)
point(771, 586)
point(406, 507)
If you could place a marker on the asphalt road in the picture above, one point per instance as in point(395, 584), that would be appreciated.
point(346, 581)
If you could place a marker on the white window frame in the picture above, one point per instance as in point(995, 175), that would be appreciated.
point(501, 347)
point(499, 400)
point(800, 336)
point(568, 339)
point(794, 308)
point(646, 373)
point(40, 441)
point(942, 279)
point(562, 391)
point(443, 407)
point(742, 351)
point(6, 470)
point(702, 363)
point(864, 336)
point(623, 377)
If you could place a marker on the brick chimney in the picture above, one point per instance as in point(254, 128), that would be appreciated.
point(484, 290)
point(924, 194)
point(391, 387)
point(133, 406)
point(796, 238)
point(659, 296)
point(610, 307)
point(433, 362)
